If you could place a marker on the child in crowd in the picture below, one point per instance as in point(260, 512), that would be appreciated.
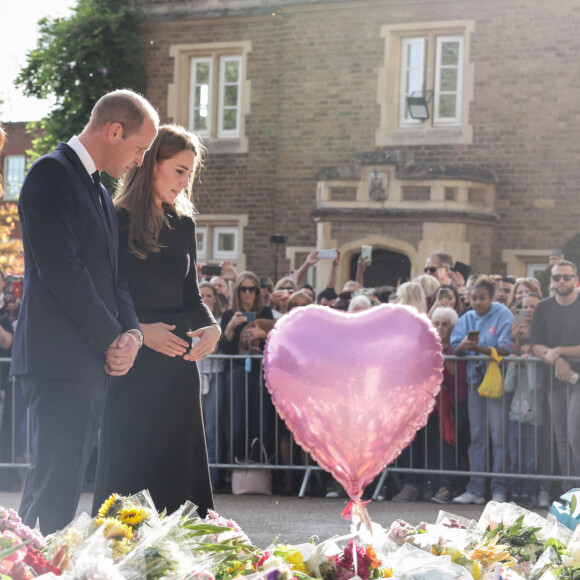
point(525, 423)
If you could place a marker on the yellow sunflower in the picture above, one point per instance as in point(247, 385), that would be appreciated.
point(114, 529)
point(133, 516)
point(110, 506)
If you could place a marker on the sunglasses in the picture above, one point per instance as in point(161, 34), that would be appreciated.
point(251, 289)
point(287, 288)
point(431, 269)
point(565, 277)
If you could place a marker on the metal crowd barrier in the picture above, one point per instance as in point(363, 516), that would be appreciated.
point(238, 408)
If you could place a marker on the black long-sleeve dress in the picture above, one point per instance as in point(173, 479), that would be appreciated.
point(152, 436)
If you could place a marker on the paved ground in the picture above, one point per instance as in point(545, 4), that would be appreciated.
point(295, 520)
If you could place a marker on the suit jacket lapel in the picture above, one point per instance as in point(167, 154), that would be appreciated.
point(96, 201)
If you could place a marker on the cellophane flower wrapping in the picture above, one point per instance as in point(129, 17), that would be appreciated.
point(130, 540)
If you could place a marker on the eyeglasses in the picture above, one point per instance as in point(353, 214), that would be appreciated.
point(287, 288)
point(431, 269)
point(565, 277)
point(251, 289)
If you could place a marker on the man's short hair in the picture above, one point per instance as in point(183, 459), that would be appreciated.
point(125, 107)
point(266, 282)
point(328, 293)
point(445, 259)
point(565, 263)
point(509, 279)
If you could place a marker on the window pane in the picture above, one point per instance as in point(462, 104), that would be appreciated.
point(230, 120)
point(448, 79)
point(14, 169)
point(415, 55)
point(226, 242)
point(414, 81)
point(200, 121)
point(200, 237)
point(447, 106)
point(202, 73)
point(231, 96)
point(232, 71)
point(450, 53)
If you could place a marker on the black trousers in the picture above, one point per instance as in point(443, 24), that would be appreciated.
point(65, 418)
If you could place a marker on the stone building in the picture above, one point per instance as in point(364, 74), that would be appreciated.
point(305, 109)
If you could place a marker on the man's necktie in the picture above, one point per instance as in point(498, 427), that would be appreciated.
point(97, 181)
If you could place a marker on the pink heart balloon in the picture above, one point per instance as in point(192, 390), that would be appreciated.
point(354, 387)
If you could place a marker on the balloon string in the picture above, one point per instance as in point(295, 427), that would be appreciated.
point(356, 509)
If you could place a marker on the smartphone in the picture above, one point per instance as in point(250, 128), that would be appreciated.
point(444, 294)
point(557, 252)
point(17, 289)
point(211, 270)
point(473, 335)
point(519, 316)
point(463, 269)
point(367, 252)
point(251, 316)
point(322, 254)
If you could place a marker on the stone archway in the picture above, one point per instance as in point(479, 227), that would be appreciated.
point(387, 268)
point(392, 259)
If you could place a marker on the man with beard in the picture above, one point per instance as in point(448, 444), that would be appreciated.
point(555, 335)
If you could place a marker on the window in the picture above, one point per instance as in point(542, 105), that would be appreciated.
point(14, 169)
point(210, 115)
point(445, 86)
point(225, 243)
point(221, 237)
point(201, 235)
point(429, 60)
point(211, 94)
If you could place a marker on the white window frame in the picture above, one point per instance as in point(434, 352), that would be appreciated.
point(12, 187)
point(193, 106)
point(201, 233)
point(437, 93)
point(223, 61)
point(224, 255)
point(404, 118)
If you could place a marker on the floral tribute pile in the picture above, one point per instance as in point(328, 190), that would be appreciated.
point(129, 539)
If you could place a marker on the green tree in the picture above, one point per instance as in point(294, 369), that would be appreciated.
point(78, 59)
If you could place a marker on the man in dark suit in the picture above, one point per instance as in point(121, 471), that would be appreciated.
point(77, 322)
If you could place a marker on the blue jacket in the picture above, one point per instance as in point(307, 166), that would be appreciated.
point(495, 330)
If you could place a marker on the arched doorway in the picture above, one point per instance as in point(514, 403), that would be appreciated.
point(386, 268)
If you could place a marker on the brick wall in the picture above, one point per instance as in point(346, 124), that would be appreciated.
point(313, 70)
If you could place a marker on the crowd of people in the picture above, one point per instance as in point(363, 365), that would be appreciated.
point(466, 431)
point(104, 279)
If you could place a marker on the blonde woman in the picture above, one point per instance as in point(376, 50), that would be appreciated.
point(152, 436)
point(412, 294)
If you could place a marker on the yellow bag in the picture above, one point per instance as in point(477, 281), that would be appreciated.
point(492, 385)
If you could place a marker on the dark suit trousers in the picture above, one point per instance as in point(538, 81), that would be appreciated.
point(65, 418)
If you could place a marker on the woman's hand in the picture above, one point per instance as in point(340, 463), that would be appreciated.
point(253, 332)
point(237, 319)
point(521, 330)
point(228, 270)
point(208, 337)
point(159, 336)
point(467, 344)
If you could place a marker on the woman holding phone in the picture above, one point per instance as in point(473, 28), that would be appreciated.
point(244, 330)
point(477, 331)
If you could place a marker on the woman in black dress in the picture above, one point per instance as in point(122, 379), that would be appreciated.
point(152, 436)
